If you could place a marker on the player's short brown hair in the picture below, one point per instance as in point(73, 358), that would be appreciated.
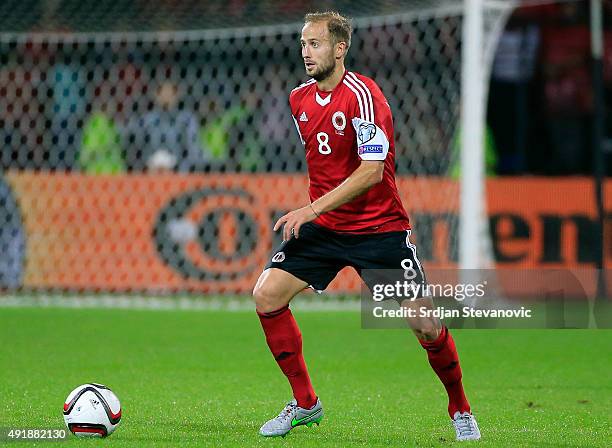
point(340, 28)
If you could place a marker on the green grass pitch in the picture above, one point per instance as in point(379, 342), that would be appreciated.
point(206, 378)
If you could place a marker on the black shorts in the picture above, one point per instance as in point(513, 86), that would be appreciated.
point(319, 254)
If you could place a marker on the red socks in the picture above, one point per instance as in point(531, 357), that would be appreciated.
point(444, 360)
point(285, 342)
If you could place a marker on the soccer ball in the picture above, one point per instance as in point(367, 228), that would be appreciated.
point(92, 410)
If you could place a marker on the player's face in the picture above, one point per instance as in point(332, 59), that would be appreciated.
point(317, 50)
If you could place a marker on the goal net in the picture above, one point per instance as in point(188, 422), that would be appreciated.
point(149, 147)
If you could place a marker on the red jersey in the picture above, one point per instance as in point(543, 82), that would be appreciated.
point(339, 129)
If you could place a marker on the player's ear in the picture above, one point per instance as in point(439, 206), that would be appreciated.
point(341, 50)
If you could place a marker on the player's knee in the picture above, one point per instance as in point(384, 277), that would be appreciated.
point(266, 299)
point(428, 331)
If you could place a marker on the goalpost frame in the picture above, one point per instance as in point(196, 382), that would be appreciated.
point(472, 194)
point(476, 61)
point(477, 55)
point(598, 131)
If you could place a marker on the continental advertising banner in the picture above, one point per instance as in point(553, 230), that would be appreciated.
point(212, 233)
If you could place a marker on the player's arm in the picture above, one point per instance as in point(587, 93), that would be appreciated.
point(368, 174)
point(372, 148)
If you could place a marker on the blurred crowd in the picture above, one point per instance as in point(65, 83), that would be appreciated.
point(170, 15)
point(541, 92)
point(105, 105)
point(114, 106)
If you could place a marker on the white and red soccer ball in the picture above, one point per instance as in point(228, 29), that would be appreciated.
point(92, 410)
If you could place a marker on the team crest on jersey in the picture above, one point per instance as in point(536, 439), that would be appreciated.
point(339, 122)
point(367, 131)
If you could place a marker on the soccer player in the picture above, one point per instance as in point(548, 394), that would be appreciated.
point(354, 218)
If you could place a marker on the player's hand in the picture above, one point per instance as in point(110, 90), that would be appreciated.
point(294, 220)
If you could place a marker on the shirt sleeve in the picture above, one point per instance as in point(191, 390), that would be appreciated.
point(293, 116)
point(298, 129)
point(371, 121)
point(372, 143)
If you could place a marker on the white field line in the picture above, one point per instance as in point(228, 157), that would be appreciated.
point(168, 303)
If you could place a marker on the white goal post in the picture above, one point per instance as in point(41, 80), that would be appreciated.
point(477, 56)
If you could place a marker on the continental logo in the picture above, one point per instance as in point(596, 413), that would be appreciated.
point(213, 233)
point(208, 234)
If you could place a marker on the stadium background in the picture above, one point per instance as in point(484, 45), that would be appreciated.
point(147, 147)
point(146, 151)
